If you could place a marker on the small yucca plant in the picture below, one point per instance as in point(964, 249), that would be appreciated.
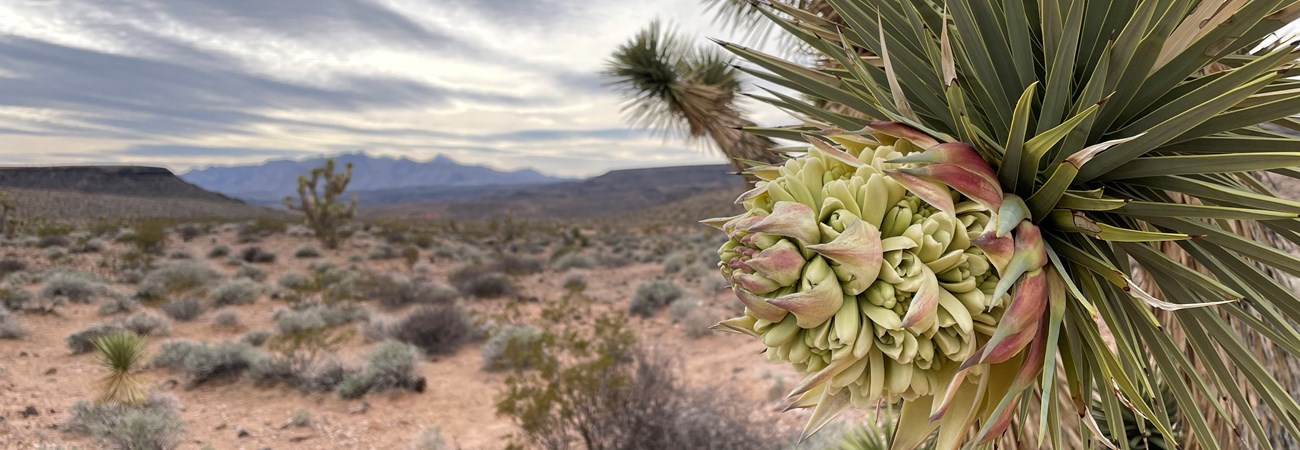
point(121, 354)
point(984, 182)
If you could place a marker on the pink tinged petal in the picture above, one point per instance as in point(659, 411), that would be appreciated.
point(742, 222)
point(933, 193)
point(1011, 213)
point(756, 283)
point(953, 387)
point(818, 300)
point(964, 181)
point(858, 253)
point(782, 263)
point(1034, 360)
point(998, 249)
point(903, 131)
point(925, 302)
point(792, 220)
point(960, 154)
point(1024, 313)
point(999, 425)
point(835, 153)
point(1030, 255)
point(1008, 348)
point(758, 306)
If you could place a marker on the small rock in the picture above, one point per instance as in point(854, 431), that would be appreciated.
point(22, 354)
point(51, 371)
point(241, 432)
point(360, 409)
point(29, 411)
point(220, 427)
point(297, 439)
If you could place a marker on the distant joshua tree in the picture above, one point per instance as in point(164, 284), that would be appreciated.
point(325, 212)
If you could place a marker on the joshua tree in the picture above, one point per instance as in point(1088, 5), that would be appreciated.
point(672, 86)
point(965, 243)
point(325, 211)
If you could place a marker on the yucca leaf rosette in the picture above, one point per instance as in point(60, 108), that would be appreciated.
point(887, 266)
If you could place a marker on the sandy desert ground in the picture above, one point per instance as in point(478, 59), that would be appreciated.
point(39, 370)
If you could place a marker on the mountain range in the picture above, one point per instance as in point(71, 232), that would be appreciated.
point(268, 183)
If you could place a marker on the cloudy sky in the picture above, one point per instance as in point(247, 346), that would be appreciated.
point(507, 83)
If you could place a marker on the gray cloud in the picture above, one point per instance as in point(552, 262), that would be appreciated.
point(221, 81)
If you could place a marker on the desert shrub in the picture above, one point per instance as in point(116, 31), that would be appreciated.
point(575, 282)
point(226, 319)
point(516, 265)
point(512, 347)
point(146, 324)
point(189, 231)
point(179, 254)
point(156, 425)
point(219, 251)
point(149, 236)
point(652, 296)
point(306, 251)
point(55, 253)
point(696, 324)
point(411, 255)
point(391, 365)
point(382, 252)
point(675, 262)
point(10, 265)
point(23, 278)
point(84, 341)
point(226, 359)
point(14, 298)
point(395, 292)
point(293, 281)
point(301, 418)
point(289, 321)
point(172, 353)
point(256, 255)
point(54, 240)
point(478, 281)
point(256, 337)
point(117, 303)
point(236, 292)
point(437, 330)
point(307, 335)
point(176, 277)
point(93, 245)
point(429, 439)
point(714, 284)
point(574, 260)
point(324, 376)
point(11, 326)
point(251, 272)
point(683, 307)
point(184, 309)
point(595, 388)
point(267, 370)
point(75, 286)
